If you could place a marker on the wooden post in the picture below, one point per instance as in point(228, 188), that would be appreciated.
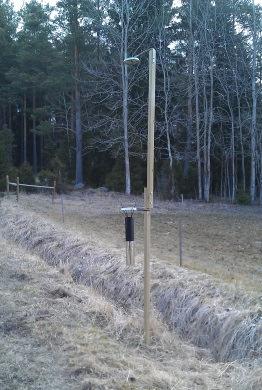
point(151, 126)
point(17, 189)
point(54, 191)
point(180, 243)
point(149, 191)
point(182, 198)
point(7, 185)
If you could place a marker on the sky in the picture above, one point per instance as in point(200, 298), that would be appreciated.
point(19, 3)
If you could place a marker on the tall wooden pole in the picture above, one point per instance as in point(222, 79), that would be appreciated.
point(148, 193)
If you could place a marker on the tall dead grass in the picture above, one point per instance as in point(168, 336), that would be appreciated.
point(86, 337)
point(225, 321)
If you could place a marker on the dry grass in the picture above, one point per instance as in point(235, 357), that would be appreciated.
point(211, 315)
point(221, 240)
point(57, 335)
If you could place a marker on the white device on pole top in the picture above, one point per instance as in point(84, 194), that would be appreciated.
point(128, 209)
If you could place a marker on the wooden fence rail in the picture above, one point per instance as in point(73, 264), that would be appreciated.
point(17, 184)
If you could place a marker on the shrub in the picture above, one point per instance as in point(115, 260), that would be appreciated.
point(115, 180)
point(243, 198)
point(46, 177)
point(25, 174)
point(12, 173)
point(6, 145)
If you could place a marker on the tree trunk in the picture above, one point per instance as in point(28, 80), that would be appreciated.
point(34, 136)
point(207, 188)
point(260, 197)
point(233, 192)
point(166, 87)
point(205, 138)
point(232, 188)
point(207, 134)
point(41, 151)
point(25, 132)
point(98, 30)
point(199, 170)
point(243, 169)
point(4, 114)
point(189, 96)
point(10, 116)
point(67, 133)
point(221, 178)
point(78, 128)
point(254, 114)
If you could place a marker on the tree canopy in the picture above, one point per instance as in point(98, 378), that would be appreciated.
point(69, 104)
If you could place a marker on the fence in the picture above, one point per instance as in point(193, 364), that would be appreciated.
point(17, 184)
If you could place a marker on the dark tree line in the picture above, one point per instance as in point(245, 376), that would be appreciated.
point(69, 104)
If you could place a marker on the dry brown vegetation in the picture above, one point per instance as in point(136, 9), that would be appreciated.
point(219, 239)
point(101, 321)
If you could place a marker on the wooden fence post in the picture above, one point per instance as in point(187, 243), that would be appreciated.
point(17, 189)
point(54, 192)
point(7, 185)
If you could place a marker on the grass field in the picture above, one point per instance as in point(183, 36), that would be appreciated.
point(72, 327)
point(56, 335)
point(221, 240)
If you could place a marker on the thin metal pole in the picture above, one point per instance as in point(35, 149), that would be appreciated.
point(17, 189)
point(62, 207)
point(127, 253)
point(7, 185)
point(180, 243)
point(148, 192)
point(53, 192)
point(132, 252)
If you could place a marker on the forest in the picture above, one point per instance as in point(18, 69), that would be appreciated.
point(71, 109)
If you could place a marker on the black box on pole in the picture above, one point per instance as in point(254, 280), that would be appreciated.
point(129, 226)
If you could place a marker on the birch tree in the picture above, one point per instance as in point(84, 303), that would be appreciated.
point(254, 108)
